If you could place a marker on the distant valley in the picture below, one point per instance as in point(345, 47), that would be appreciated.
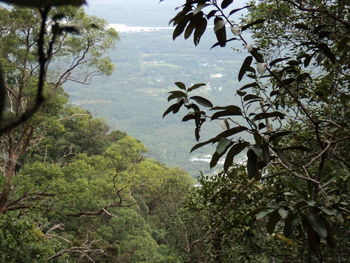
point(133, 99)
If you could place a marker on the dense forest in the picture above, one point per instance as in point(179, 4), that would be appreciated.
point(74, 190)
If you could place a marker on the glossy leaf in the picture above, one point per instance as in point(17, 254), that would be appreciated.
point(318, 225)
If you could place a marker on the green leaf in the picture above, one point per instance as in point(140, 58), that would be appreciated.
point(181, 26)
point(231, 112)
point(274, 62)
point(241, 93)
point(226, 3)
point(235, 150)
point(252, 165)
point(289, 225)
point(201, 144)
point(266, 115)
point(318, 225)
point(222, 145)
point(238, 9)
point(176, 94)
point(202, 101)
point(327, 52)
point(250, 85)
point(214, 160)
point(173, 108)
point(251, 97)
point(196, 86)
point(193, 24)
point(328, 211)
point(230, 132)
point(220, 31)
point(264, 213)
point(189, 116)
point(180, 85)
point(199, 31)
point(274, 218)
point(246, 64)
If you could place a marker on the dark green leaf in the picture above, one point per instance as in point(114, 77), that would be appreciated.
point(173, 108)
point(189, 116)
point(211, 14)
point(193, 24)
point(228, 40)
point(264, 213)
point(220, 31)
point(202, 101)
point(289, 225)
point(181, 26)
point(214, 159)
point(226, 3)
point(252, 165)
point(318, 225)
point(180, 85)
point(274, 62)
point(274, 218)
point(230, 132)
point(251, 97)
point(244, 67)
point(198, 145)
point(235, 150)
point(199, 31)
point(250, 85)
point(196, 86)
point(241, 93)
point(265, 115)
point(176, 94)
point(238, 9)
point(231, 112)
point(327, 52)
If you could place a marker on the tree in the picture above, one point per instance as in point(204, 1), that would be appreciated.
point(294, 109)
point(18, 42)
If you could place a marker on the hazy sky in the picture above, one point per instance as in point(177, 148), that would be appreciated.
point(138, 12)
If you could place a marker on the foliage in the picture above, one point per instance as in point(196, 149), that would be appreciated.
point(294, 109)
point(71, 189)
